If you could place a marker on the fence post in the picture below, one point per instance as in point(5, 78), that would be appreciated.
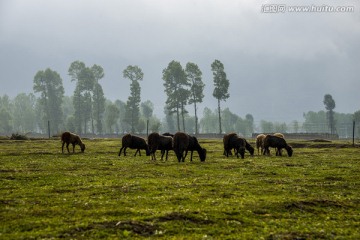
point(49, 128)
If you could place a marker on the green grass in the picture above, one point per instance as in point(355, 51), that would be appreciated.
point(45, 194)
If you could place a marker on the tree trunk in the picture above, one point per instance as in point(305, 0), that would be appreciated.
point(178, 118)
point(196, 119)
point(79, 115)
point(331, 122)
point(132, 121)
point(219, 111)
point(183, 117)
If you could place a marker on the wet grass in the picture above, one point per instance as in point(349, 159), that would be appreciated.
point(45, 194)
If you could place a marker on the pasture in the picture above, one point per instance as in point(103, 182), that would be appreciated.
point(48, 195)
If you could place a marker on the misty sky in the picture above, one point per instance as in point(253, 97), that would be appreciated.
point(280, 65)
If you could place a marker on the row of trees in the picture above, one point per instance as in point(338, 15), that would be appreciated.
point(23, 114)
point(87, 110)
point(182, 86)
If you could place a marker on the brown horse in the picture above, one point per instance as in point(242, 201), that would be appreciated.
point(68, 137)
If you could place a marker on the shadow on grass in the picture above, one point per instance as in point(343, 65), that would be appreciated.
point(313, 205)
point(298, 236)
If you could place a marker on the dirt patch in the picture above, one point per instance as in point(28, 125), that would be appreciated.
point(319, 145)
point(138, 227)
point(319, 140)
point(332, 178)
point(176, 216)
point(312, 206)
point(141, 228)
point(297, 236)
point(7, 171)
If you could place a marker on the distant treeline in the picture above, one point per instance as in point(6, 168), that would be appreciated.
point(22, 114)
point(88, 110)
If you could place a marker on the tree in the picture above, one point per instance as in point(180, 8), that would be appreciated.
point(111, 116)
point(5, 115)
point(89, 100)
point(155, 125)
point(141, 126)
point(147, 109)
point(184, 93)
point(193, 75)
point(134, 74)
point(267, 127)
point(84, 84)
point(208, 121)
point(24, 116)
point(169, 121)
point(71, 124)
point(329, 106)
point(280, 127)
point(5, 121)
point(296, 126)
point(229, 120)
point(315, 122)
point(49, 84)
point(175, 83)
point(98, 106)
point(249, 129)
point(121, 125)
point(98, 97)
point(5, 102)
point(221, 84)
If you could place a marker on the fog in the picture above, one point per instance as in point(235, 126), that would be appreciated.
point(280, 65)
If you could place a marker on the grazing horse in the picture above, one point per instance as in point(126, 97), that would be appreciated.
point(68, 137)
point(278, 143)
point(134, 142)
point(182, 143)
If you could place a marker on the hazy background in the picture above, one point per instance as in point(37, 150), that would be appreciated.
point(279, 64)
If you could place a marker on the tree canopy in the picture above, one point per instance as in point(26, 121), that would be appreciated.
point(134, 74)
point(49, 84)
point(194, 76)
point(176, 83)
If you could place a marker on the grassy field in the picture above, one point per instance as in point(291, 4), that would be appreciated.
point(48, 195)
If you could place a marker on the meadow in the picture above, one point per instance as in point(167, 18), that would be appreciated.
point(45, 194)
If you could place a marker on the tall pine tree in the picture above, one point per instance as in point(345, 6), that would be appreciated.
point(49, 84)
point(193, 75)
point(134, 74)
point(221, 84)
point(176, 83)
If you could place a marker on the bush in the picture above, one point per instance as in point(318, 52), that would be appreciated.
point(17, 136)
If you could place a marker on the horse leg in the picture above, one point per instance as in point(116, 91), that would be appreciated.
point(153, 155)
point(67, 147)
point(120, 151)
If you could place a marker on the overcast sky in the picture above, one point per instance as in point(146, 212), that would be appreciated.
point(280, 65)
